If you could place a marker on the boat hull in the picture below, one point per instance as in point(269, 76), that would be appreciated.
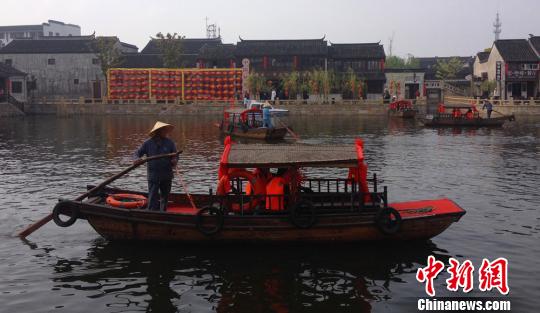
point(420, 220)
point(402, 114)
point(259, 133)
point(477, 122)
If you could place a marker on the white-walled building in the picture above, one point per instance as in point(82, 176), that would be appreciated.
point(514, 65)
point(49, 29)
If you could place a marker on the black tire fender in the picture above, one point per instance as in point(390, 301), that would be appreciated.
point(303, 214)
point(61, 208)
point(205, 212)
point(386, 224)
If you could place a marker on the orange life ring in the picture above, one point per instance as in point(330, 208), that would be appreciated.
point(127, 201)
point(258, 187)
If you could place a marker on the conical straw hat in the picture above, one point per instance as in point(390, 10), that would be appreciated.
point(157, 126)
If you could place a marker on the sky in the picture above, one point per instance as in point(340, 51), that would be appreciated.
point(419, 27)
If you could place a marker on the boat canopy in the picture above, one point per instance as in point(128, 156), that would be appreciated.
point(236, 111)
point(273, 156)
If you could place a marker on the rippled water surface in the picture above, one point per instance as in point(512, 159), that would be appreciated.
point(493, 173)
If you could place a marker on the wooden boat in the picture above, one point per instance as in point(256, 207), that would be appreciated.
point(446, 119)
point(313, 210)
point(247, 123)
point(402, 109)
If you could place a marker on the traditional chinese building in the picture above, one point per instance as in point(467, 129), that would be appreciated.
point(365, 59)
point(514, 64)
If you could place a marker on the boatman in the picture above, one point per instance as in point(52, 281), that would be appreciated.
point(160, 171)
point(489, 107)
point(267, 118)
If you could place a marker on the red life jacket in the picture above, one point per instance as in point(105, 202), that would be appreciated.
point(276, 189)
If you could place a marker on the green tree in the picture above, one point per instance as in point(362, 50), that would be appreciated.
point(291, 84)
point(108, 53)
point(447, 69)
point(394, 61)
point(171, 47)
point(256, 84)
point(488, 86)
point(351, 83)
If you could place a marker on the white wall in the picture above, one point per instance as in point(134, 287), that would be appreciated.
point(61, 29)
point(58, 79)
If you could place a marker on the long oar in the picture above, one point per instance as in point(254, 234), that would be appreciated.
point(32, 228)
point(295, 136)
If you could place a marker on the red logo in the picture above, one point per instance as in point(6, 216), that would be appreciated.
point(494, 275)
point(460, 275)
point(429, 273)
point(490, 275)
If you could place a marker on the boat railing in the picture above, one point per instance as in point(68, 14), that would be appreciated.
point(326, 196)
point(322, 203)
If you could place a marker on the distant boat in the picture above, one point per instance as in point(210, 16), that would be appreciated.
point(273, 111)
point(248, 123)
point(445, 119)
point(402, 109)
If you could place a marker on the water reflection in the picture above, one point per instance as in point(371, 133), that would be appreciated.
point(255, 279)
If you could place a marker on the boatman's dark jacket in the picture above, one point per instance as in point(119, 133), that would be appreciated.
point(160, 169)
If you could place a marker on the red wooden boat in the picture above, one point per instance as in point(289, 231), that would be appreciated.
point(247, 123)
point(319, 210)
point(402, 108)
point(455, 116)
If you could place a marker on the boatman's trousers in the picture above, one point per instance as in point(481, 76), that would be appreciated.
point(158, 194)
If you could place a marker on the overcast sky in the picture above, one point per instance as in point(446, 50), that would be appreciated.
point(420, 27)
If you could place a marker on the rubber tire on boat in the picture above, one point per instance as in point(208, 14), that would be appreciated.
point(213, 212)
point(384, 222)
point(57, 211)
point(299, 220)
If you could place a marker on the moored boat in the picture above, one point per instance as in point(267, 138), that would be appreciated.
point(263, 197)
point(457, 118)
point(402, 109)
point(247, 123)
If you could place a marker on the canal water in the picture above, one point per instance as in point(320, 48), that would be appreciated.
point(493, 173)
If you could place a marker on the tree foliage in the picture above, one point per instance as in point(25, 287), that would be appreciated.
point(488, 86)
point(291, 84)
point(447, 69)
point(171, 47)
point(256, 83)
point(394, 61)
point(109, 54)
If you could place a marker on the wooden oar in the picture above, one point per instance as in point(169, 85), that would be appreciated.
point(295, 136)
point(32, 228)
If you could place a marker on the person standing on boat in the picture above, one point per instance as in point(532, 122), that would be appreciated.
point(489, 107)
point(160, 171)
point(267, 117)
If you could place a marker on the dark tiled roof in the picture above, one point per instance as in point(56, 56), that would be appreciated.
point(189, 45)
point(217, 52)
point(20, 28)
point(357, 51)
point(516, 50)
point(535, 41)
point(31, 46)
point(138, 60)
point(128, 45)
point(281, 47)
point(9, 71)
point(483, 56)
point(430, 62)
